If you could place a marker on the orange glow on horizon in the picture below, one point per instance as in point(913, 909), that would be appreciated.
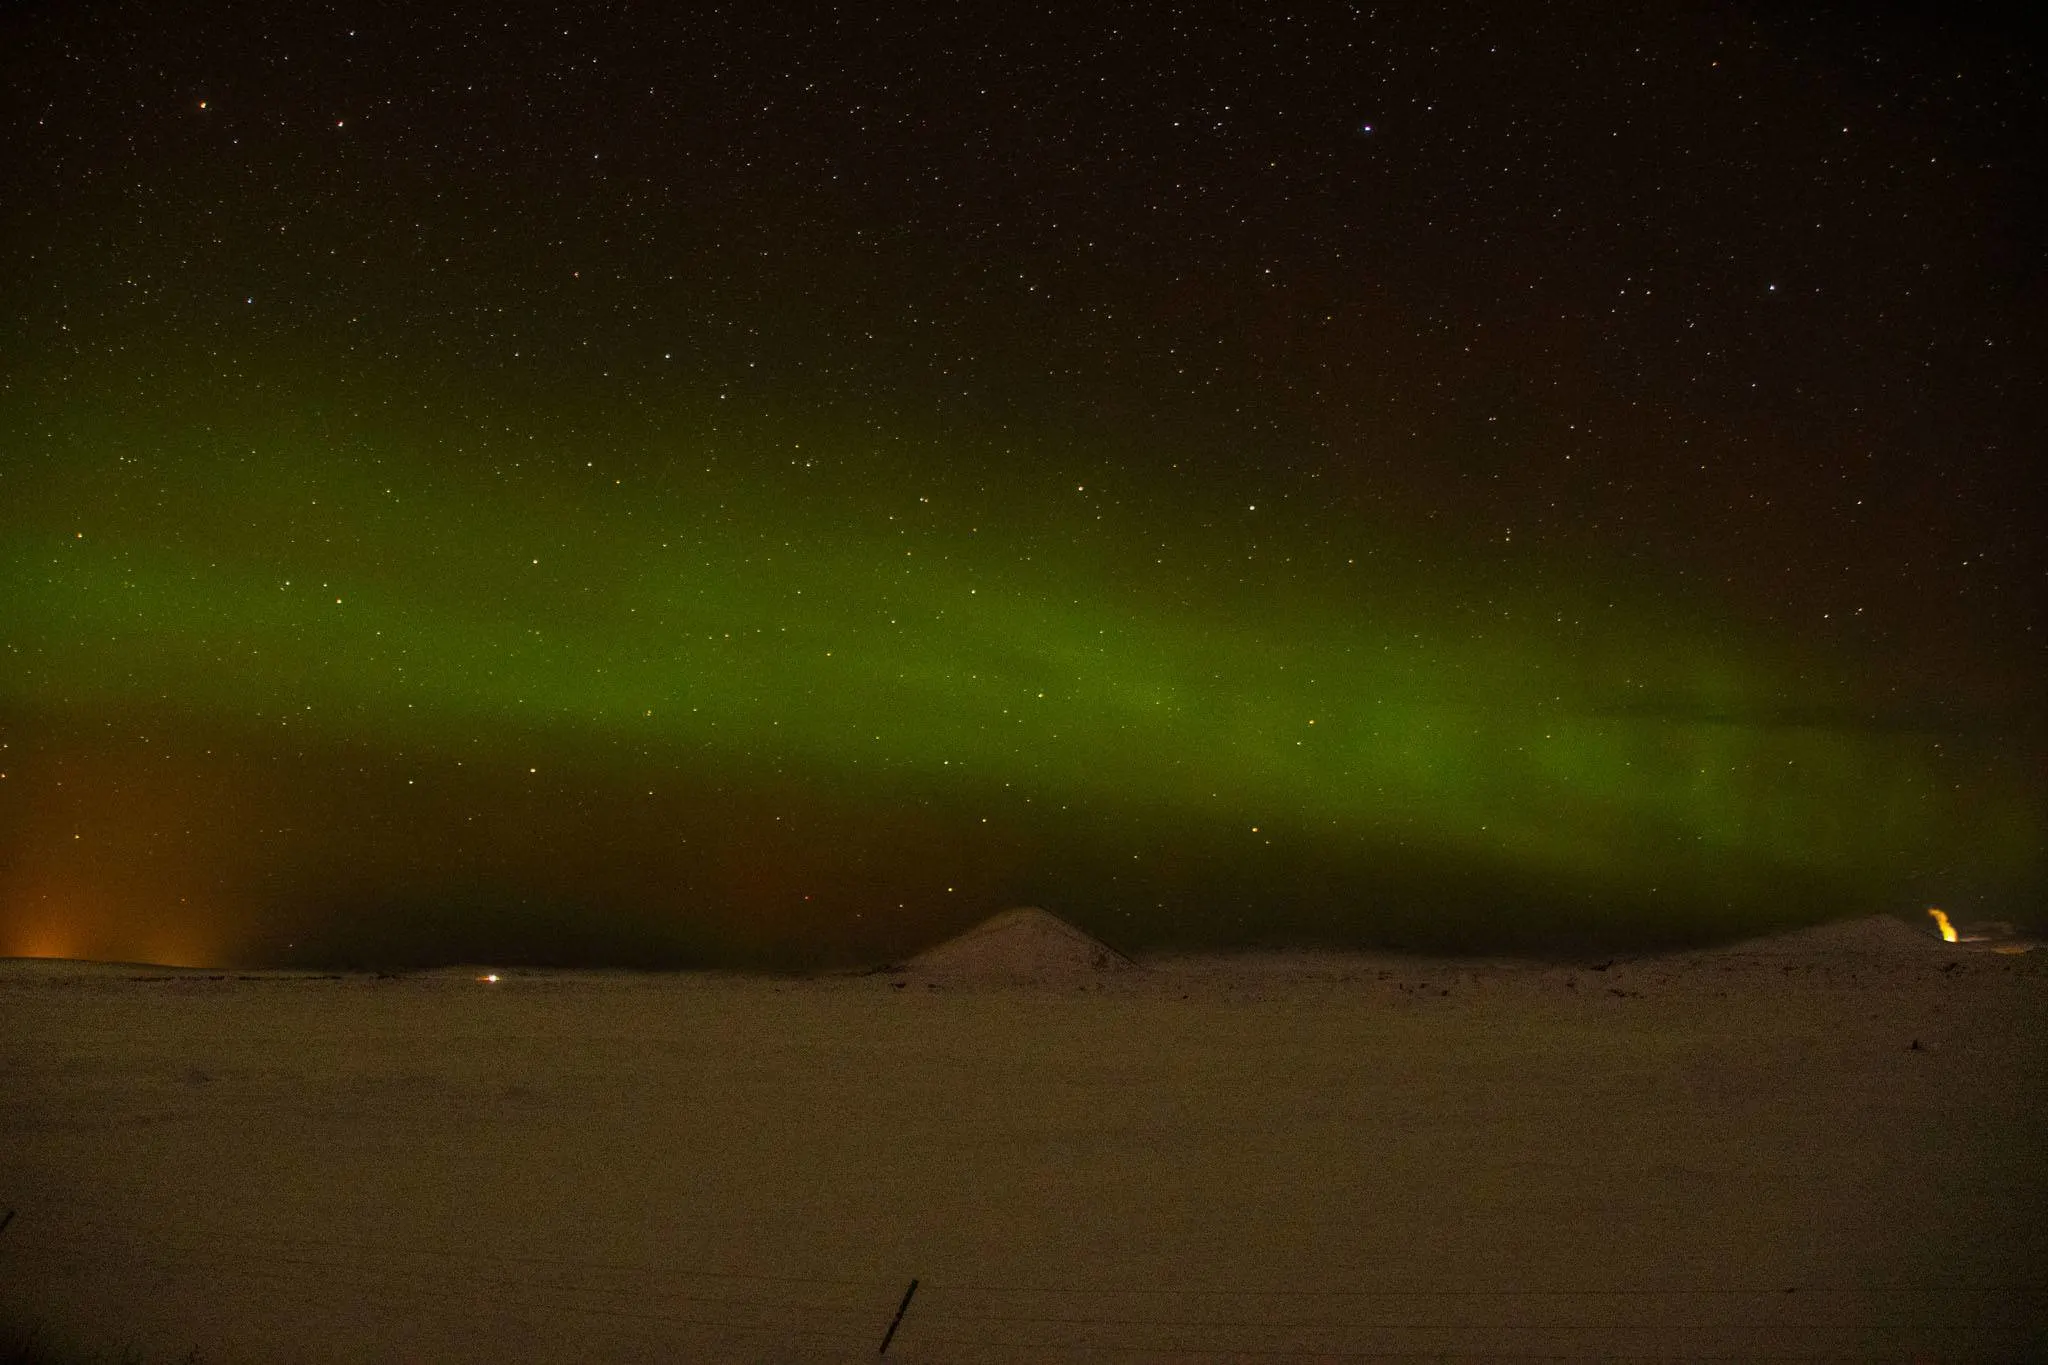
point(1948, 931)
point(50, 936)
point(43, 941)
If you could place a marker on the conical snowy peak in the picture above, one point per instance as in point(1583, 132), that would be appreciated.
point(1023, 943)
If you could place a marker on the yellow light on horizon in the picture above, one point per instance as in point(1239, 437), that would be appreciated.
point(1948, 931)
point(489, 979)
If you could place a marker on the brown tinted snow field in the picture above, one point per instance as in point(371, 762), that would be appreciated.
point(1823, 1146)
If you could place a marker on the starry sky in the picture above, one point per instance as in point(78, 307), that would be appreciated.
point(655, 485)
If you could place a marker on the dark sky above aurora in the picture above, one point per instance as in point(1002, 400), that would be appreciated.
point(664, 484)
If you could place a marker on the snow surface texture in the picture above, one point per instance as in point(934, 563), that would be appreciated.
point(1822, 1146)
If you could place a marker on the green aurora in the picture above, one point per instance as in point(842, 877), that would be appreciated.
point(282, 688)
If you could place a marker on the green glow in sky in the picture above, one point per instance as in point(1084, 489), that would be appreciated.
point(1247, 694)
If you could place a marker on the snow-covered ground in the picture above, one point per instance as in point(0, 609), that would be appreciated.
point(1827, 1145)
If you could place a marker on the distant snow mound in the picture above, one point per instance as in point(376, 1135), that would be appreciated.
point(1022, 944)
point(1880, 935)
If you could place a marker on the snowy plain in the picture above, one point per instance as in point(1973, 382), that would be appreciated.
point(1821, 1146)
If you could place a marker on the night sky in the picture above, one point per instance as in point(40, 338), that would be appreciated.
point(649, 484)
